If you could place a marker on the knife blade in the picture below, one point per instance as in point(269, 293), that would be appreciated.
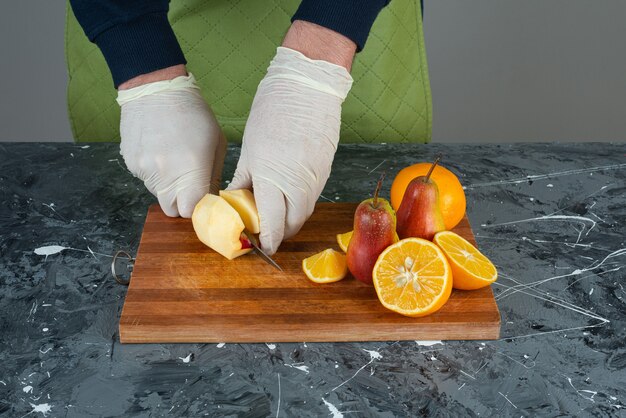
point(259, 251)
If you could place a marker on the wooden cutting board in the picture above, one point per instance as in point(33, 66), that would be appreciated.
point(182, 291)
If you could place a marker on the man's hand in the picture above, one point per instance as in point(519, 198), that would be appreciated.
point(291, 135)
point(171, 140)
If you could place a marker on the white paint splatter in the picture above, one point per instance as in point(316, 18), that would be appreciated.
point(591, 291)
point(555, 331)
point(49, 250)
point(271, 346)
point(45, 330)
point(299, 366)
point(543, 241)
point(333, 409)
point(55, 249)
point(27, 389)
point(186, 359)
point(550, 185)
point(467, 374)
point(92, 253)
point(84, 147)
point(376, 168)
point(532, 199)
point(33, 310)
point(589, 398)
point(428, 343)
point(279, 396)
point(43, 408)
point(220, 345)
point(557, 301)
point(475, 373)
point(580, 219)
point(374, 355)
point(50, 206)
point(509, 401)
point(545, 176)
point(519, 288)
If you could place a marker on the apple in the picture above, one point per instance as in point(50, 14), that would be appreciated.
point(243, 202)
point(219, 226)
point(245, 242)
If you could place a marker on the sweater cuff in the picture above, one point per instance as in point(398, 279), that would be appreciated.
point(139, 46)
point(351, 18)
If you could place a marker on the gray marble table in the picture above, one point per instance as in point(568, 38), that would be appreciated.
point(552, 217)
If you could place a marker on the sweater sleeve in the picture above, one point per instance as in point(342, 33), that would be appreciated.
point(351, 18)
point(135, 36)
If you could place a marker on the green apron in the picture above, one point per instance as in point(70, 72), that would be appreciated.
point(229, 44)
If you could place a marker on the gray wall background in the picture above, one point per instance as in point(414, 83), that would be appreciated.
point(501, 70)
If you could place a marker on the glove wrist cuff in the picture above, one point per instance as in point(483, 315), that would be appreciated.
point(316, 74)
point(178, 83)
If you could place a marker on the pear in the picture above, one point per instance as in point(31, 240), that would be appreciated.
point(374, 230)
point(419, 214)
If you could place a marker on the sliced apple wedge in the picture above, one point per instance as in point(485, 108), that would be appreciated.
point(244, 203)
point(219, 226)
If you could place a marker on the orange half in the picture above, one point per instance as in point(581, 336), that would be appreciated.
point(412, 277)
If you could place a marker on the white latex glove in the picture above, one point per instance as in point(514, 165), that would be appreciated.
point(290, 140)
point(172, 141)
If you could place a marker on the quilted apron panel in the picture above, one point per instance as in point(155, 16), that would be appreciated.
point(229, 44)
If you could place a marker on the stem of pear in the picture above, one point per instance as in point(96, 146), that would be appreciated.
point(378, 187)
point(432, 167)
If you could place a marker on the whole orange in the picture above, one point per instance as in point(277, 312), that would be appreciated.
point(451, 193)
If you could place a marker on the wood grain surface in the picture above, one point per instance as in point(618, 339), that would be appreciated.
point(182, 291)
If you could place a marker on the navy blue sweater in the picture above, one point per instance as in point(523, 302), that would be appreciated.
point(135, 36)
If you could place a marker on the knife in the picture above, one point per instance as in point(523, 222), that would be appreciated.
point(259, 251)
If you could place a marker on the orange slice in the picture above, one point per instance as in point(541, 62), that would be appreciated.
point(412, 277)
point(343, 240)
point(325, 267)
point(470, 268)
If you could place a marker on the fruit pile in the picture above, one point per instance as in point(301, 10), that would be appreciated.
point(409, 255)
